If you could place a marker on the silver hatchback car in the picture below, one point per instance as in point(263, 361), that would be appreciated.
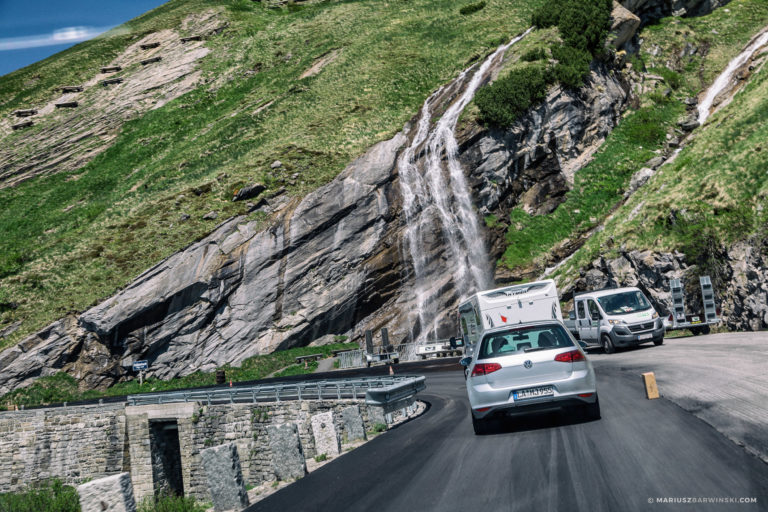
point(532, 367)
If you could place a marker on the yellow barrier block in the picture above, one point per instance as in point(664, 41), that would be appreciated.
point(651, 391)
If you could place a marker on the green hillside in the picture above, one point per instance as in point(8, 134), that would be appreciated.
point(68, 243)
point(716, 179)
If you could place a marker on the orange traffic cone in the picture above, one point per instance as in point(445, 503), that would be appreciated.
point(230, 382)
point(391, 370)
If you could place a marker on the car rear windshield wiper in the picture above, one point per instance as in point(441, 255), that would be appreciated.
point(535, 349)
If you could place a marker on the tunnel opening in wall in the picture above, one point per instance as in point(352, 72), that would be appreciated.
point(166, 458)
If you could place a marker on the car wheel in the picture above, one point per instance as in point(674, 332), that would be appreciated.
point(705, 329)
point(592, 411)
point(607, 344)
point(396, 360)
point(658, 342)
point(695, 331)
point(482, 426)
point(368, 364)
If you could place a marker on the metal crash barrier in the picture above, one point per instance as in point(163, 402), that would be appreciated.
point(385, 388)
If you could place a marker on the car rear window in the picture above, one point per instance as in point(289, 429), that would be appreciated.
point(522, 339)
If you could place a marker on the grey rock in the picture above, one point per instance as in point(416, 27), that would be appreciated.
point(211, 216)
point(376, 415)
point(353, 423)
point(249, 191)
point(655, 162)
point(328, 339)
point(276, 164)
point(184, 217)
point(638, 180)
point(287, 454)
point(109, 494)
point(652, 10)
point(624, 24)
point(324, 433)
point(688, 124)
point(225, 477)
point(259, 205)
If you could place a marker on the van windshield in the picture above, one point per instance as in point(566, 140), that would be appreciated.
point(624, 303)
point(524, 339)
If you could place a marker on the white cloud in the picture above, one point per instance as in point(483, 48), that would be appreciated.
point(61, 36)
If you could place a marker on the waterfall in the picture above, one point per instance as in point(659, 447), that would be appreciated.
point(434, 189)
point(726, 76)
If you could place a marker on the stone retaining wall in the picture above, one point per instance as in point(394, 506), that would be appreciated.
point(88, 442)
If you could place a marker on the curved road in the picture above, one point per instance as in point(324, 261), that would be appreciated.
point(640, 451)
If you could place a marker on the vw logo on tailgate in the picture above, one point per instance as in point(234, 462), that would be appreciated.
point(528, 364)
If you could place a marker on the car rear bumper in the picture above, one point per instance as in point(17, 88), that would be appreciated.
point(500, 401)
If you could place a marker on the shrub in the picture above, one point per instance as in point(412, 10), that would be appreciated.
point(51, 496)
point(584, 24)
point(321, 457)
point(572, 65)
point(470, 8)
point(534, 54)
point(672, 78)
point(169, 503)
point(502, 102)
point(548, 15)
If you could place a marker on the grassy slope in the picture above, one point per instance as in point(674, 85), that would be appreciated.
point(126, 213)
point(717, 186)
point(600, 185)
point(63, 388)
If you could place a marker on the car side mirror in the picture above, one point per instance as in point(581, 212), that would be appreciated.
point(465, 362)
point(572, 315)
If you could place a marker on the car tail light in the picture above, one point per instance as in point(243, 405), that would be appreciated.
point(671, 318)
point(483, 409)
point(717, 311)
point(585, 395)
point(570, 357)
point(485, 369)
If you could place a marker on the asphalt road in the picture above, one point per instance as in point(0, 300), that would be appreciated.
point(640, 452)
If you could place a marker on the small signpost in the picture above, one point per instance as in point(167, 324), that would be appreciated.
point(141, 367)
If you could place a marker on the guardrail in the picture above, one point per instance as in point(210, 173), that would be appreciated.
point(405, 351)
point(395, 392)
point(305, 390)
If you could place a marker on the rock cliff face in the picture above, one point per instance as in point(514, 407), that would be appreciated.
point(651, 10)
point(740, 282)
point(332, 263)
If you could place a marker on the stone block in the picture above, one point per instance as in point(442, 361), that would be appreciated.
point(110, 494)
point(225, 477)
point(376, 415)
point(324, 433)
point(353, 423)
point(287, 456)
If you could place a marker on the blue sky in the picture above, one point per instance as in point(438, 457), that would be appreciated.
point(31, 30)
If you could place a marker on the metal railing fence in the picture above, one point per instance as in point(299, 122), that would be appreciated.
point(305, 390)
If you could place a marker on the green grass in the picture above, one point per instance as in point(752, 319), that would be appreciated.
point(170, 504)
point(707, 180)
point(52, 496)
point(125, 213)
point(64, 388)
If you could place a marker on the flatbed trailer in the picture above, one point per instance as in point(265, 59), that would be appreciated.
point(698, 323)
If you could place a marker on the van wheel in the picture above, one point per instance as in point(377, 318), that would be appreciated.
point(704, 329)
point(607, 344)
point(658, 342)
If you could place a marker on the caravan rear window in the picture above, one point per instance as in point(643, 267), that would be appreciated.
point(524, 339)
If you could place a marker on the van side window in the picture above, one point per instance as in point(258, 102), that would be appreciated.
point(594, 312)
point(582, 314)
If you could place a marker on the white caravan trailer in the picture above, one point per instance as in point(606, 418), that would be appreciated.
point(508, 306)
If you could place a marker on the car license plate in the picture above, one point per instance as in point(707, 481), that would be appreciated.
point(695, 320)
point(645, 336)
point(524, 394)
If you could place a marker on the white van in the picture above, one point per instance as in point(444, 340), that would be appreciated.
point(508, 306)
point(617, 317)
